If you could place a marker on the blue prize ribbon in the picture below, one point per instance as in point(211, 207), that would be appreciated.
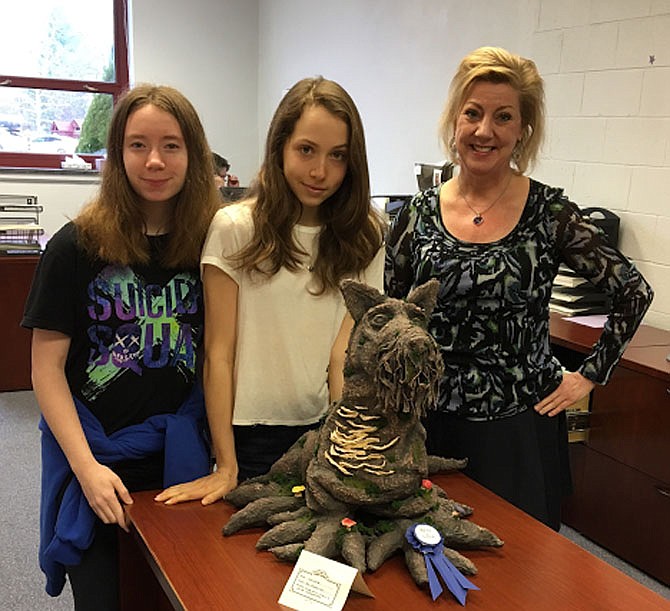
point(429, 542)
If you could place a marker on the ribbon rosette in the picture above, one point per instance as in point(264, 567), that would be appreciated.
point(427, 540)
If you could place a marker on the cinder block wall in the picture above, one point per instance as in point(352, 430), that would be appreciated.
point(606, 65)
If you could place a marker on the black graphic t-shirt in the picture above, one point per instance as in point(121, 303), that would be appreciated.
point(492, 315)
point(134, 331)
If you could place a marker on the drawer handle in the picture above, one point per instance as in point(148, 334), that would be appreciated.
point(577, 421)
point(663, 491)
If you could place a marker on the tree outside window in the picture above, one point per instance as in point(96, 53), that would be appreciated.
point(62, 65)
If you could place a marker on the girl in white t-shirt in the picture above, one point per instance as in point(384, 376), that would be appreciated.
point(276, 324)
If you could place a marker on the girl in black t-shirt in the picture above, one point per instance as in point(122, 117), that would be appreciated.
point(116, 313)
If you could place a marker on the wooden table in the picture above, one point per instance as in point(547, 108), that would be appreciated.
point(200, 570)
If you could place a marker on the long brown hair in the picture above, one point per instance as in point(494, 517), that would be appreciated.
point(352, 231)
point(111, 226)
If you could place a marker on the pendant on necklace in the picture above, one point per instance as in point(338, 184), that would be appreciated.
point(478, 220)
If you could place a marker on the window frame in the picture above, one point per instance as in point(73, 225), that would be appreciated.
point(115, 88)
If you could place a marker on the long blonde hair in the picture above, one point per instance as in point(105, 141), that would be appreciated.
point(111, 226)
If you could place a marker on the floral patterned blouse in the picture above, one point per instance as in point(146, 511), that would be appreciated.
point(492, 314)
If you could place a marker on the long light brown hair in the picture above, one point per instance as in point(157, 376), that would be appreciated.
point(352, 231)
point(111, 226)
point(497, 65)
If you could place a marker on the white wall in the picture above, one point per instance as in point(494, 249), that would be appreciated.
point(395, 58)
point(208, 49)
point(608, 107)
point(609, 120)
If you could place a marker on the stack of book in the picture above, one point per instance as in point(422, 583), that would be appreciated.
point(573, 295)
point(20, 230)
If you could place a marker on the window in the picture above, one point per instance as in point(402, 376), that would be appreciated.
point(63, 63)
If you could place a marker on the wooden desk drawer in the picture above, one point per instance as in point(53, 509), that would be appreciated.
point(16, 275)
point(621, 509)
point(630, 422)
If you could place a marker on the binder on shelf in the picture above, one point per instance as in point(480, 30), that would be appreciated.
point(21, 200)
point(13, 208)
point(593, 298)
point(573, 295)
point(20, 231)
point(563, 280)
point(583, 290)
point(576, 310)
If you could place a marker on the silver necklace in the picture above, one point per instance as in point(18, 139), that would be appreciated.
point(478, 219)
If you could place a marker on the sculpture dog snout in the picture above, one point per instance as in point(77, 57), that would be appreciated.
point(410, 368)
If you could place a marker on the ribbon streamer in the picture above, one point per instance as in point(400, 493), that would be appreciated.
point(428, 541)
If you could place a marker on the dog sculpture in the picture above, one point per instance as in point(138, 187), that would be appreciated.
point(352, 488)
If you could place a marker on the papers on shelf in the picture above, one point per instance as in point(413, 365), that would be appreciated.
point(597, 321)
point(572, 295)
point(571, 310)
point(75, 162)
point(20, 231)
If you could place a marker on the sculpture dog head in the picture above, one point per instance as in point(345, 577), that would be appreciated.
point(391, 356)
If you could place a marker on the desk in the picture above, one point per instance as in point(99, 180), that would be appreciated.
point(621, 474)
point(16, 276)
point(639, 355)
point(200, 570)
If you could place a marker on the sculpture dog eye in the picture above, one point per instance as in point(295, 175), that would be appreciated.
point(379, 319)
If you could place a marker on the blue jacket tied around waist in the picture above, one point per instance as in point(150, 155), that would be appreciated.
point(66, 525)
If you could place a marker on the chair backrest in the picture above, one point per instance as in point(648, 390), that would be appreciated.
point(605, 220)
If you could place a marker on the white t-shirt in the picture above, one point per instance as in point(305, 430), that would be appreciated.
point(284, 333)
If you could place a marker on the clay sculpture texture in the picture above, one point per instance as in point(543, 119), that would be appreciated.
point(350, 489)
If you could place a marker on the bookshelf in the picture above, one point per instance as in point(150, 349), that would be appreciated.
point(20, 229)
point(573, 295)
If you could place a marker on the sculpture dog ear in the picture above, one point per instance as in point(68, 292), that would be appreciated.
point(425, 296)
point(360, 297)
